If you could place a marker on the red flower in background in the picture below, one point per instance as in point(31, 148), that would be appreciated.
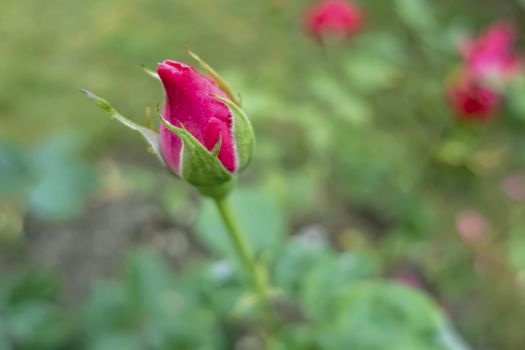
point(472, 100)
point(492, 55)
point(489, 62)
point(333, 20)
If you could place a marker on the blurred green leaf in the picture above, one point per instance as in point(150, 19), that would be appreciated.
point(15, 171)
point(259, 216)
point(516, 94)
point(147, 308)
point(516, 247)
point(339, 101)
point(53, 178)
point(370, 72)
point(380, 315)
point(417, 14)
point(116, 342)
point(297, 259)
point(333, 272)
point(30, 318)
point(62, 179)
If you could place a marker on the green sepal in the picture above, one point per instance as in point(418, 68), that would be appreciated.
point(221, 83)
point(217, 148)
point(199, 166)
point(150, 72)
point(217, 191)
point(151, 137)
point(242, 132)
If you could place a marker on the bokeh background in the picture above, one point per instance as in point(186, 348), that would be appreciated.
point(362, 173)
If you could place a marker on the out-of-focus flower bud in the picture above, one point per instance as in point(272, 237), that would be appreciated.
point(514, 186)
point(333, 21)
point(471, 226)
point(471, 99)
point(490, 62)
point(491, 56)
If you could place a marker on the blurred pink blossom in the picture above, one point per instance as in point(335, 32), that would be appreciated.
point(408, 278)
point(489, 61)
point(471, 99)
point(335, 20)
point(514, 186)
point(492, 55)
point(471, 225)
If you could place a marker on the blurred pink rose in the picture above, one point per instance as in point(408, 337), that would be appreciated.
point(514, 186)
point(471, 99)
point(489, 62)
point(492, 55)
point(334, 20)
point(471, 225)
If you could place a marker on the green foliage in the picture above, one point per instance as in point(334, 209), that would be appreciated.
point(51, 179)
point(146, 309)
point(29, 316)
point(356, 138)
point(259, 215)
point(417, 14)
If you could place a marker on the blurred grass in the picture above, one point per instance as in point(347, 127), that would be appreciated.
point(51, 49)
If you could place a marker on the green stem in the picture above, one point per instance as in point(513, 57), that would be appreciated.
point(242, 249)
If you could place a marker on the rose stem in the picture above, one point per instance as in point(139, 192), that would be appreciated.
point(241, 247)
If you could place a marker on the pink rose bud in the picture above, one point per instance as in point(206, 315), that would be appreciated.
point(471, 226)
point(333, 21)
point(473, 100)
point(491, 55)
point(205, 137)
point(191, 102)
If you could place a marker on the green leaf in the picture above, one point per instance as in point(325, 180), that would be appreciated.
point(333, 272)
point(15, 170)
point(417, 14)
point(370, 72)
point(379, 315)
point(516, 247)
point(243, 132)
point(199, 166)
point(116, 341)
point(340, 102)
point(298, 259)
point(59, 193)
point(151, 137)
point(516, 98)
point(61, 180)
point(151, 309)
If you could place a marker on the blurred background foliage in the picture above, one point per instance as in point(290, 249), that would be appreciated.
point(363, 197)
